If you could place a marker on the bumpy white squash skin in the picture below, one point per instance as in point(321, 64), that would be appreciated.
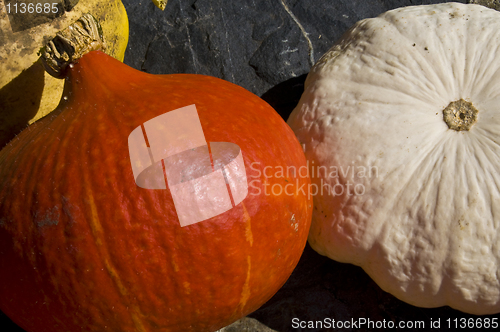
point(424, 222)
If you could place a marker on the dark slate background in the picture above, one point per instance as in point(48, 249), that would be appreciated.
point(268, 46)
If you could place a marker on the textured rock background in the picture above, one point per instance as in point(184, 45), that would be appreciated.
point(268, 46)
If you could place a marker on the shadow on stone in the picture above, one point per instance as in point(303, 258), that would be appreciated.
point(285, 96)
point(323, 295)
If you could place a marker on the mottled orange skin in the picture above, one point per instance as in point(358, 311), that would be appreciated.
point(82, 248)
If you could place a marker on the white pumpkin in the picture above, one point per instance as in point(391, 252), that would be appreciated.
point(400, 121)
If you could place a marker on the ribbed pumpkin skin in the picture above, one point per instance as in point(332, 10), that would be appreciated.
point(82, 248)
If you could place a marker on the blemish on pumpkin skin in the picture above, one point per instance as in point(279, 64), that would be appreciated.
point(174, 263)
point(112, 273)
point(50, 217)
point(248, 228)
point(294, 223)
point(245, 293)
point(187, 287)
point(135, 314)
point(95, 225)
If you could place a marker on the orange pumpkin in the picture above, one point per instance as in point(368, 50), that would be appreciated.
point(84, 248)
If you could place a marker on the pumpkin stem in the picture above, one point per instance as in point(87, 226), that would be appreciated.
point(70, 44)
point(460, 115)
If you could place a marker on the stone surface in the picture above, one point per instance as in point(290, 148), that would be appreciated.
point(254, 43)
point(246, 324)
point(268, 46)
point(495, 4)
